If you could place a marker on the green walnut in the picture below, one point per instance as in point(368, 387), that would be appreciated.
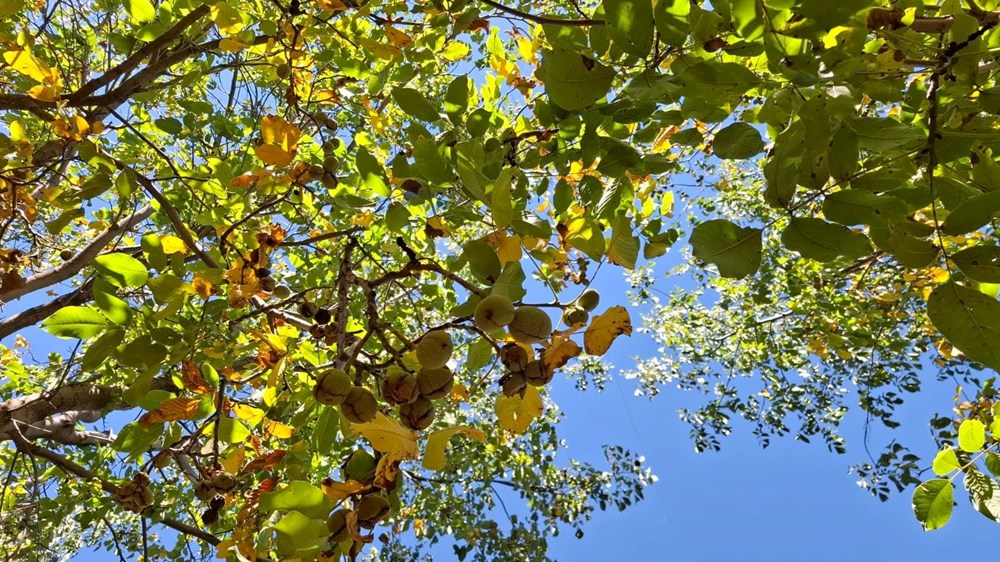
point(331, 163)
point(333, 387)
point(530, 325)
point(589, 300)
point(372, 509)
point(435, 383)
point(204, 490)
point(536, 374)
point(514, 357)
point(308, 309)
point(399, 387)
point(418, 415)
point(224, 481)
point(282, 292)
point(337, 525)
point(360, 466)
point(360, 406)
point(493, 313)
point(434, 349)
point(575, 315)
point(513, 383)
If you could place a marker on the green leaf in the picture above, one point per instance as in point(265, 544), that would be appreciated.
point(510, 284)
point(101, 349)
point(299, 495)
point(479, 355)
point(482, 260)
point(232, 431)
point(413, 102)
point(887, 136)
point(136, 439)
point(113, 308)
point(122, 270)
point(299, 536)
point(993, 463)
point(630, 24)
point(430, 162)
point(572, 80)
point(859, 206)
point(984, 494)
point(75, 322)
point(972, 214)
point(326, 430)
point(737, 141)
point(971, 435)
point(932, 503)
point(585, 234)
point(823, 241)
point(969, 319)
point(372, 172)
point(140, 10)
point(945, 462)
point(735, 250)
point(623, 249)
point(469, 162)
point(502, 206)
point(169, 125)
point(672, 21)
point(980, 263)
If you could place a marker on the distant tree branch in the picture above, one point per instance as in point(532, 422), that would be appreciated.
point(73, 266)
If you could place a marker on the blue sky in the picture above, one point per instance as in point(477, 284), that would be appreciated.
point(791, 501)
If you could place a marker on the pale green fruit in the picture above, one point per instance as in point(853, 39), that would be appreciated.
point(574, 315)
point(493, 313)
point(434, 349)
point(589, 300)
point(530, 325)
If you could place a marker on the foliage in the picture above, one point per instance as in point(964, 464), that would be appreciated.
point(275, 224)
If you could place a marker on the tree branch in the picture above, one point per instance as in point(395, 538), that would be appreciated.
point(546, 20)
point(36, 314)
point(76, 263)
point(147, 51)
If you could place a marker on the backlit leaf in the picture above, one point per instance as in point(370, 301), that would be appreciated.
point(735, 250)
point(515, 413)
point(932, 503)
point(969, 319)
point(388, 436)
point(604, 329)
point(434, 458)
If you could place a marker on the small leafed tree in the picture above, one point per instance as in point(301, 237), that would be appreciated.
point(290, 280)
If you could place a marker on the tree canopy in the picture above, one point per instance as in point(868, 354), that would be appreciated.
point(314, 265)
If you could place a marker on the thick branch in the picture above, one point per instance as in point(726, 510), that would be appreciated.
point(42, 414)
point(76, 263)
point(147, 51)
point(36, 314)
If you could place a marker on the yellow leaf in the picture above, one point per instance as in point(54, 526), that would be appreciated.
point(387, 436)
point(340, 491)
point(193, 380)
point(233, 462)
point(561, 351)
point(380, 50)
point(171, 409)
point(172, 245)
point(605, 328)
point(28, 64)
point(279, 430)
point(387, 471)
point(438, 224)
point(44, 93)
point(456, 50)
point(249, 414)
point(437, 441)
point(227, 18)
point(509, 250)
point(230, 45)
point(271, 154)
point(202, 285)
point(515, 413)
point(397, 37)
point(333, 5)
point(222, 549)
